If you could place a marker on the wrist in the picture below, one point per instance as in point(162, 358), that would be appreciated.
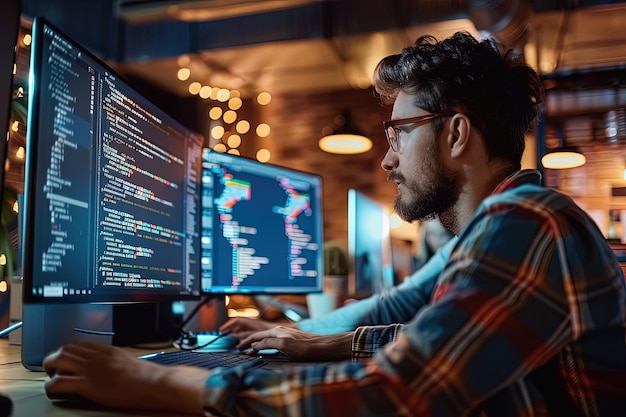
point(335, 347)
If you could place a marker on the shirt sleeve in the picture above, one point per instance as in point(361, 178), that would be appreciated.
point(396, 305)
point(367, 340)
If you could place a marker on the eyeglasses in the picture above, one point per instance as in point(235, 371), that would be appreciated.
point(393, 133)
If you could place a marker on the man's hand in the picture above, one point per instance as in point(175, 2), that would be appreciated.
point(299, 345)
point(113, 377)
point(242, 327)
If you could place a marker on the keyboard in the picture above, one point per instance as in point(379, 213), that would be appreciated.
point(206, 360)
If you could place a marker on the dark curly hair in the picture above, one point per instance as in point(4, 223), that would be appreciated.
point(495, 88)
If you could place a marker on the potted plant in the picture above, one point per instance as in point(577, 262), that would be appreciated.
point(335, 268)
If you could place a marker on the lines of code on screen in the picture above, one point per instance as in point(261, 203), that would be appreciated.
point(261, 227)
point(116, 195)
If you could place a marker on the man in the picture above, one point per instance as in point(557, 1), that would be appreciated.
point(527, 318)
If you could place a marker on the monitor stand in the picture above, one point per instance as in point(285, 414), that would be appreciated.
point(46, 327)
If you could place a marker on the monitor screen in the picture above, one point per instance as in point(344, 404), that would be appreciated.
point(261, 229)
point(369, 246)
point(112, 192)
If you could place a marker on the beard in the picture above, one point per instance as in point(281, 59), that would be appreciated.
point(429, 193)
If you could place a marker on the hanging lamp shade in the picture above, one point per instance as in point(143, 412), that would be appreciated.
point(345, 139)
point(563, 157)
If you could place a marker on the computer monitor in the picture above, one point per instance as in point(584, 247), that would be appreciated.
point(112, 192)
point(369, 246)
point(112, 198)
point(261, 228)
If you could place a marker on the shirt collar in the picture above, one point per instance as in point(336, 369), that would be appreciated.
point(525, 176)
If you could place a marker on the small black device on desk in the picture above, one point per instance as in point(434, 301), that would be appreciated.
point(6, 406)
point(211, 341)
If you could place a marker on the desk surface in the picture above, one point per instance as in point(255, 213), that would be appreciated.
point(26, 390)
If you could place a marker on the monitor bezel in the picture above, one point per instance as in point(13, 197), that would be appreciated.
point(32, 150)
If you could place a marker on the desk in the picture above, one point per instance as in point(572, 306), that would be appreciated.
point(26, 390)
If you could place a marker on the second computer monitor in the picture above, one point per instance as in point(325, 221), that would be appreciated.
point(369, 245)
point(262, 227)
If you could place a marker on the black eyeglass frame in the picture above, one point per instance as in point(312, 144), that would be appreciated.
point(394, 143)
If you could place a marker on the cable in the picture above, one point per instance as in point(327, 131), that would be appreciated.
point(94, 332)
point(12, 327)
point(202, 302)
point(188, 340)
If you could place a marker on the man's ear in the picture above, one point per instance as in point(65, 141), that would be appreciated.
point(459, 134)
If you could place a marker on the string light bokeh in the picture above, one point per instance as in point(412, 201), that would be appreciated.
point(228, 128)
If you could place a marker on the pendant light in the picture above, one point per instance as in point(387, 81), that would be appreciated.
point(345, 139)
point(563, 156)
